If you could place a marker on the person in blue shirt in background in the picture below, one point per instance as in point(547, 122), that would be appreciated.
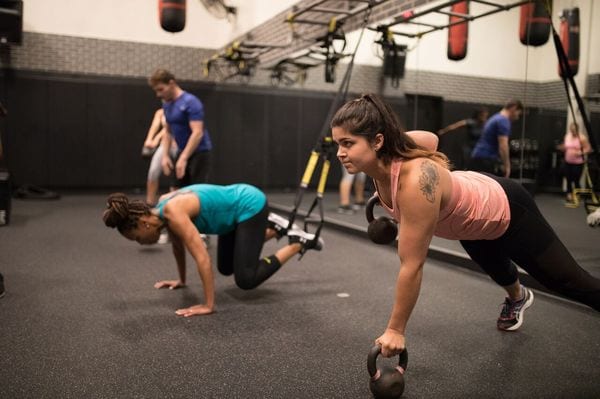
point(492, 147)
point(184, 115)
point(237, 213)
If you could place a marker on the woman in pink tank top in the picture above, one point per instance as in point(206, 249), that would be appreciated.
point(495, 219)
point(575, 146)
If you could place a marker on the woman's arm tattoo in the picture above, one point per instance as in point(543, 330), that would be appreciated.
point(429, 180)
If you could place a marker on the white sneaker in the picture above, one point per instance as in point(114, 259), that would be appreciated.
point(163, 238)
point(307, 240)
point(593, 219)
point(205, 240)
point(280, 224)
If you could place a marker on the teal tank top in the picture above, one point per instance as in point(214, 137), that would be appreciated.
point(221, 207)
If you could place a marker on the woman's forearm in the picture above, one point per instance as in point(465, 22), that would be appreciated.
point(179, 254)
point(208, 281)
point(408, 287)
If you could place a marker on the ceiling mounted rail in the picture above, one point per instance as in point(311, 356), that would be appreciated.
point(409, 17)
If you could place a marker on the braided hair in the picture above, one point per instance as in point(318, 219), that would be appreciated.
point(122, 213)
point(368, 115)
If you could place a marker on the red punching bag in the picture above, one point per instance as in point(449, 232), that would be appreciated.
point(535, 24)
point(458, 34)
point(569, 37)
point(171, 14)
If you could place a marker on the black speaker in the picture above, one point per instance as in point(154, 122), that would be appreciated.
point(11, 21)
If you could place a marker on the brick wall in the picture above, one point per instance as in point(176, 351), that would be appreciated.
point(69, 54)
point(76, 55)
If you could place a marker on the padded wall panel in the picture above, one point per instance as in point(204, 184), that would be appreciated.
point(253, 152)
point(107, 152)
point(283, 131)
point(26, 143)
point(227, 143)
point(67, 138)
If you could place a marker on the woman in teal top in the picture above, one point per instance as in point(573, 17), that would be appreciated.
point(238, 214)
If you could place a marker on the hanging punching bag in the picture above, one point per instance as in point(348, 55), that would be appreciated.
point(458, 34)
point(535, 24)
point(569, 37)
point(171, 14)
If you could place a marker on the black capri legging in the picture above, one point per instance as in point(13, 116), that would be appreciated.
point(573, 174)
point(533, 245)
point(238, 252)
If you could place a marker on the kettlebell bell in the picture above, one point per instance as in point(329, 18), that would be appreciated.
point(382, 230)
point(387, 383)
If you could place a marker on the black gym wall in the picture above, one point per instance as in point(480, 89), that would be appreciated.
point(68, 131)
point(77, 131)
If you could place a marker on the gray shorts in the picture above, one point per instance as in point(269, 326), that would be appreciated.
point(359, 177)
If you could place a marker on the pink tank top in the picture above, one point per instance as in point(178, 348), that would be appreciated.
point(477, 210)
point(573, 150)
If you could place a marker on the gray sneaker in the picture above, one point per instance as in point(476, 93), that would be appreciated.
point(511, 316)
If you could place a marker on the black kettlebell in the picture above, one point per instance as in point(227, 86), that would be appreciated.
point(382, 230)
point(387, 383)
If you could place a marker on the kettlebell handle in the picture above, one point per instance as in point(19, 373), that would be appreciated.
point(376, 351)
point(374, 200)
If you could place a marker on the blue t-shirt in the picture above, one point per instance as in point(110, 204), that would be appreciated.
point(222, 208)
point(179, 113)
point(487, 145)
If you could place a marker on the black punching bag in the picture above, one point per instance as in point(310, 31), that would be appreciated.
point(171, 14)
point(569, 37)
point(535, 24)
point(458, 34)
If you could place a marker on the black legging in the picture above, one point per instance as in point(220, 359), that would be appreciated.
point(573, 174)
point(484, 165)
point(533, 245)
point(238, 252)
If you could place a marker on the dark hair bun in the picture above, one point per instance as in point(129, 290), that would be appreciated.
point(117, 211)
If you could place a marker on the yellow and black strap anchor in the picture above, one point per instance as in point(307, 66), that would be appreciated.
point(323, 152)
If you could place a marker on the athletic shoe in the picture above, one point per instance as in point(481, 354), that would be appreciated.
point(163, 238)
point(511, 316)
point(307, 240)
point(2, 292)
point(357, 206)
point(280, 224)
point(593, 219)
point(205, 240)
point(345, 210)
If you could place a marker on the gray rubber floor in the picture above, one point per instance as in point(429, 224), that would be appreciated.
point(81, 320)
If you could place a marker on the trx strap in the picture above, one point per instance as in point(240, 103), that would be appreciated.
point(324, 150)
point(567, 77)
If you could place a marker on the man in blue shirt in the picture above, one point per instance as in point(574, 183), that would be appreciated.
point(184, 115)
point(492, 146)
